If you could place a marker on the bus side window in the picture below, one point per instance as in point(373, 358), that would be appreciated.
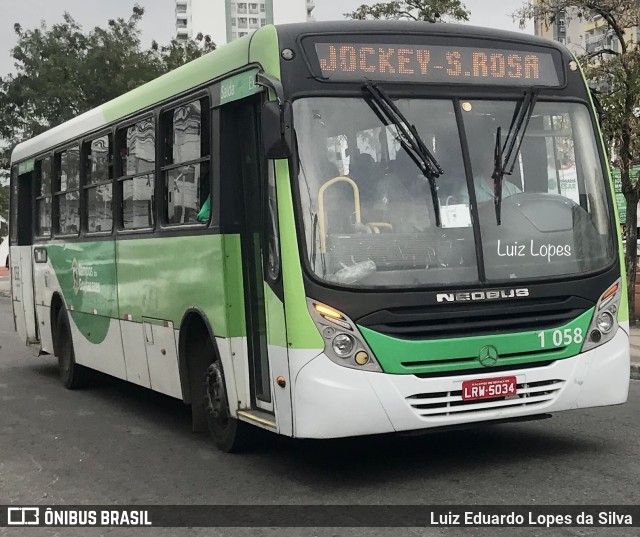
point(98, 185)
point(136, 149)
point(67, 195)
point(185, 167)
point(43, 197)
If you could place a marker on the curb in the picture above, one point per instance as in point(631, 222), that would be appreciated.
point(635, 370)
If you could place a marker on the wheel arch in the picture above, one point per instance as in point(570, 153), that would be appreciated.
point(194, 322)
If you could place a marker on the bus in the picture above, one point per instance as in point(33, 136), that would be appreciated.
point(333, 229)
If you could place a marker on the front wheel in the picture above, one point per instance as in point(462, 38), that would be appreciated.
point(72, 375)
point(229, 434)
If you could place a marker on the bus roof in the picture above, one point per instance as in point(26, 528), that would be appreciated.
point(404, 27)
point(233, 56)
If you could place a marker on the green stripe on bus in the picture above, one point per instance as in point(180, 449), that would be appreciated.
point(402, 356)
point(156, 278)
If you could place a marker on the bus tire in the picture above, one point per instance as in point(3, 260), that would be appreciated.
point(229, 434)
point(72, 375)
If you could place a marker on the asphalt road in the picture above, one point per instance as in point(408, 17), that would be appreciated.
point(117, 443)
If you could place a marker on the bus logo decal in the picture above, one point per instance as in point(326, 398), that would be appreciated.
point(493, 294)
point(488, 356)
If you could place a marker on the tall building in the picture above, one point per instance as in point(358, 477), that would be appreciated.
point(226, 20)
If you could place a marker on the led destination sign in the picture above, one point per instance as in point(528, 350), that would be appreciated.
point(436, 63)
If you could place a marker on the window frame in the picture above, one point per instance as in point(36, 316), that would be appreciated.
point(37, 169)
point(58, 193)
point(119, 179)
point(206, 143)
point(86, 185)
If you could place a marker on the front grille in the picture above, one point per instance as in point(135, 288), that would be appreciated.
point(475, 319)
point(473, 360)
point(480, 370)
point(442, 404)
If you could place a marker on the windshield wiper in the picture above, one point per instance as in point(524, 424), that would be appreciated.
point(410, 141)
point(505, 157)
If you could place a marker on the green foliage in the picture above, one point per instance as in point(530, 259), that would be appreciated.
point(4, 201)
point(62, 71)
point(175, 54)
point(616, 79)
point(417, 10)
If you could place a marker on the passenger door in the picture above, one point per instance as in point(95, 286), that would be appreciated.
point(253, 182)
point(244, 183)
point(21, 259)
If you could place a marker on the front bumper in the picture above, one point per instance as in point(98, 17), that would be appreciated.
point(331, 401)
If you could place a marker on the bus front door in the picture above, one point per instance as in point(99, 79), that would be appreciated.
point(253, 183)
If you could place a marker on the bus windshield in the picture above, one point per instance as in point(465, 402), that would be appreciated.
point(368, 210)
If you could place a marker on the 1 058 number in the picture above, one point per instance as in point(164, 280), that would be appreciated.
point(561, 338)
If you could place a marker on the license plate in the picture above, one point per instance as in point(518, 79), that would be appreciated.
point(474, 390)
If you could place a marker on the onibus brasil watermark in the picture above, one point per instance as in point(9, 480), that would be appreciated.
point(175, 516)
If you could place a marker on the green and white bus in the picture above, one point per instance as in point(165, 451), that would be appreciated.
point(333, 229)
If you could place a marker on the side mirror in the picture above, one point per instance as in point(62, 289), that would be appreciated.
point(277, 129)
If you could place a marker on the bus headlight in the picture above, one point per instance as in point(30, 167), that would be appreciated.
point(604, 324)
point(343, 343)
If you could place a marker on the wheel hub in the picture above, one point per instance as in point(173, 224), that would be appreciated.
point(216, 395)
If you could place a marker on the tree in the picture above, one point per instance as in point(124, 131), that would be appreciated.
point(615, 73)
point(172, 56)
point(417, 10)
point(62, 71)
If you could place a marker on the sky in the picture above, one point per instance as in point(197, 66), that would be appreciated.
point(158, 21)
point(489, 13)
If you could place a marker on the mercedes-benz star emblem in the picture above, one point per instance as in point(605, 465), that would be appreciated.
point(488, 355)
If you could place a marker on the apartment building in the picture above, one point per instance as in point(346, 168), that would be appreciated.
point(580, 34)
point(226, 20)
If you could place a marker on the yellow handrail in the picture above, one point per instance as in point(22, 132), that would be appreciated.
point(321, 217)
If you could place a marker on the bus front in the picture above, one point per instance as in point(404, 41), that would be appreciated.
point(455, 227)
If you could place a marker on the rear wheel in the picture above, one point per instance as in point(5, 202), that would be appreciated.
point(72, 375)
